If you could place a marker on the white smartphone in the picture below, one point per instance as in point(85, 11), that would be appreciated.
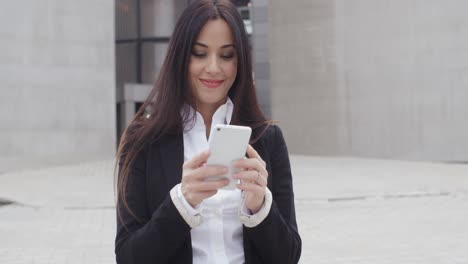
point(228, 143)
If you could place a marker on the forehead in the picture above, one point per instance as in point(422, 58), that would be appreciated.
point(216, 33)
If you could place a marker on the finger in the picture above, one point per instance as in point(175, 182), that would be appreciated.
point(252, 164)
point(197, 160)
point(248, 175)
point(249, 163)
point(252, 176)
point(252, 153)
point(209, 171)
point(204, 186)
point(251, 187)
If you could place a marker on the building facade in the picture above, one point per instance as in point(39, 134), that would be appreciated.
point(368, 78)
point(382, 79)
point(371, 78)
point(57, 101)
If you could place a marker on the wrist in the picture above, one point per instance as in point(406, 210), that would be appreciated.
point(193, 204)
point(258, 207)
point(187, 197)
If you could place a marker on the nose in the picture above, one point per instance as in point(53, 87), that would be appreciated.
point(213, 65)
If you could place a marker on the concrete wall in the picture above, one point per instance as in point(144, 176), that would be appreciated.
point(261, 60)
point(57, 80)
point(374, 78)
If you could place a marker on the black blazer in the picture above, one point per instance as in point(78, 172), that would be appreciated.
point(160, 235)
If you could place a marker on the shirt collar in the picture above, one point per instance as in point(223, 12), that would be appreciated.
point(222, 115)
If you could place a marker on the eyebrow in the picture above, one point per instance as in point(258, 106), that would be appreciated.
point(223, 47)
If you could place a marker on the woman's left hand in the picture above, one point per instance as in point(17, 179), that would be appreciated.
point(254, 178)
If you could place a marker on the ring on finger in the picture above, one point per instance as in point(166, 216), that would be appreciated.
point(258, 178)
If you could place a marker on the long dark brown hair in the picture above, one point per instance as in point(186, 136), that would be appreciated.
point(172, 91)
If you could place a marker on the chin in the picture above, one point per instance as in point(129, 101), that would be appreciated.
point(212, 99)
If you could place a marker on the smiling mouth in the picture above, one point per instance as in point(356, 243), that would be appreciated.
point(212, 83)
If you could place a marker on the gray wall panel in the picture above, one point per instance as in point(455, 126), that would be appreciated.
point(374, 78)
point(58, 81)
point(261, 58)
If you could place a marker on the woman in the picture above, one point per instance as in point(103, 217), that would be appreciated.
point(167, 213)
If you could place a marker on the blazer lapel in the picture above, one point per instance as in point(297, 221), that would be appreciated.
point(172, 156)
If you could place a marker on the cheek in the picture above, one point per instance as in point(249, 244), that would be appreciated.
point(231, 70)
point(194, 69)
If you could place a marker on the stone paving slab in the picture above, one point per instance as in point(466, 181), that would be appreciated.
point(56, 235)
point(320, 177)
point(348, 210)
point(80, 185)
point(395, 230)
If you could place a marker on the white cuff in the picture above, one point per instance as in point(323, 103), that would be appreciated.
point(188, 213)
point(250, 220)
point(192, 211)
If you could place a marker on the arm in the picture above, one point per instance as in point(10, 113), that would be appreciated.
point(276, 239)
point(148, 238)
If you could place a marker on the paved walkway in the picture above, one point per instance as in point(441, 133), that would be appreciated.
point(349, 211)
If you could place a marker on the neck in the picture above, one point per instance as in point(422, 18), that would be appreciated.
point(207, 111)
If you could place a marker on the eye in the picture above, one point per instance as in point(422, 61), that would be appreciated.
point(198, 54)
point(227, 56)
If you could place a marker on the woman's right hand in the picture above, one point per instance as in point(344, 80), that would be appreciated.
point(194, 172)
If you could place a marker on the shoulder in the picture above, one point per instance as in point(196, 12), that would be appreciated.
point(272, 132)
point(272, 136)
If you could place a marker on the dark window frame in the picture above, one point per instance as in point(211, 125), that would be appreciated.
point(139, 41)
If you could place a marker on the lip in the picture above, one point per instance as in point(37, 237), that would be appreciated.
point(211, 83)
